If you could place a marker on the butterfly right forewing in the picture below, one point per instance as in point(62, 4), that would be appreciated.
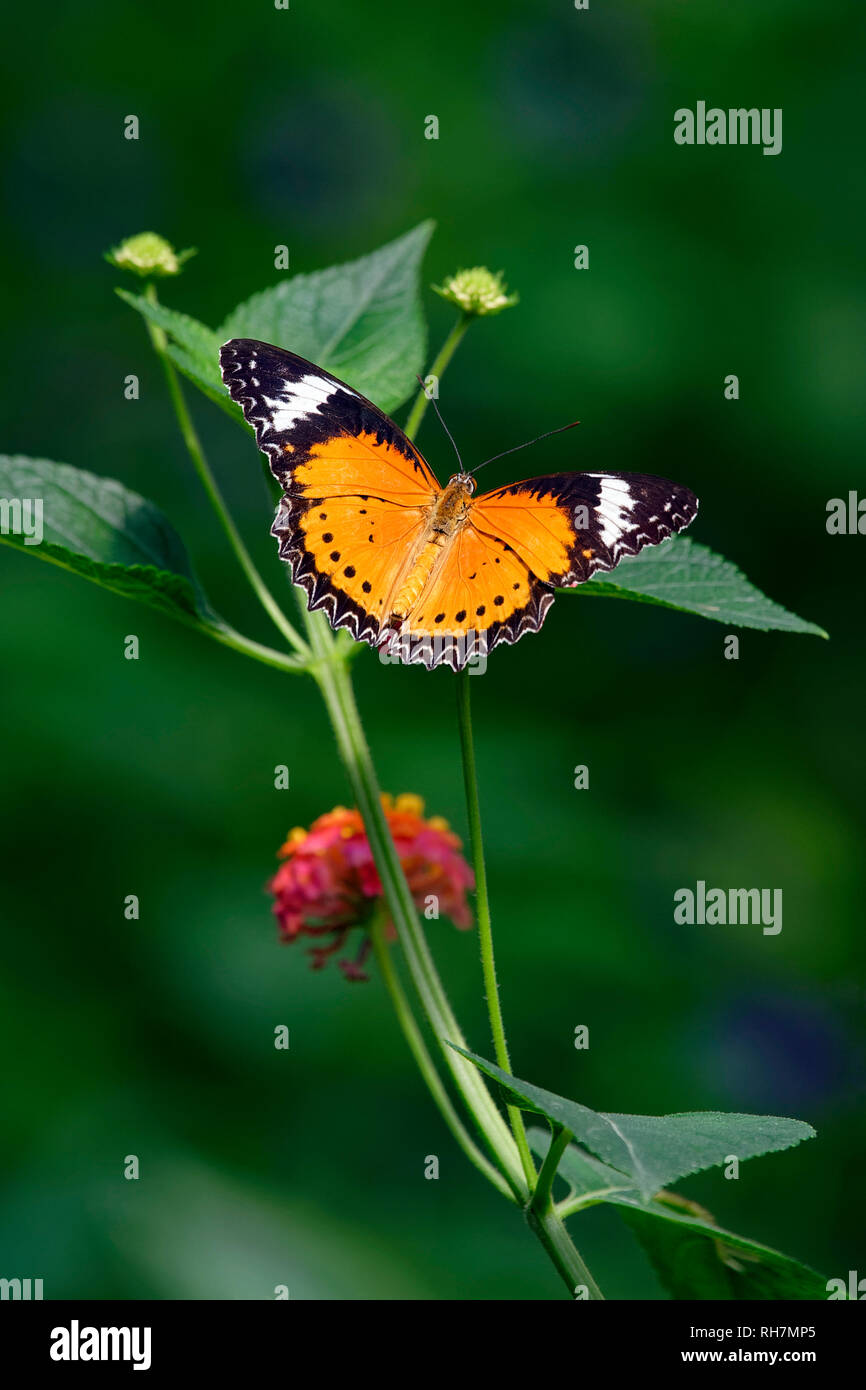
point(567, 526)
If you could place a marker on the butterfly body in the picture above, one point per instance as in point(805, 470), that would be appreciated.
point(448, 513)
point(389, 553)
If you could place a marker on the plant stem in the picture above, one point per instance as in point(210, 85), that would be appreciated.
point(335, 684)
point(413, 1037)
point(227, 637)
point(545, 1223)
point(556, 1241)
point(446, 352)
point(482, 900)
point(334, 681)
point(196, 453)
point(545, 1220)
point(542, 1196)
point(569, 1205)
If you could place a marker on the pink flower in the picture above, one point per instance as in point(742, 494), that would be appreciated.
point(328, 883)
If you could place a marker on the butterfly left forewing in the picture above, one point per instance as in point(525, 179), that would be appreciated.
point(355, 490)
point(317, 432)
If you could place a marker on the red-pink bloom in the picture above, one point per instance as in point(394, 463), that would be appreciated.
point(328, 882)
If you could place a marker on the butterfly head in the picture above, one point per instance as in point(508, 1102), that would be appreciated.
point(463, 482)
point(452, 505)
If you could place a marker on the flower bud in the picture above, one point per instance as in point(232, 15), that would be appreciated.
point(148, 254)
point(477, 291)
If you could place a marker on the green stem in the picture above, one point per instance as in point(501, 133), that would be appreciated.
point(542, 1197)
point(446, 352)
point(569, 1205)
point(556, 1241)
point(482, 900)
point(196, 453)
point(227, 637)
point(545, 1220)
point(335, 684)
point(417, 1047)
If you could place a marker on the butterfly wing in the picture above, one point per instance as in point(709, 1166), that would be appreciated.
point(523, 541)
point(482, 594)
point(566, 526)
point(356, 492)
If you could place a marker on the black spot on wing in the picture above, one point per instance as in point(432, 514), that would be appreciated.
point(341, 610)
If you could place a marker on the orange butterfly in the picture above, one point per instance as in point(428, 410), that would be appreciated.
point(430, 574)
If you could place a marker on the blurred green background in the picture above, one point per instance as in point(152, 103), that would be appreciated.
point(155, 777)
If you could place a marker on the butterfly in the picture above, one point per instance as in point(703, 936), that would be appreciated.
point(427, 573)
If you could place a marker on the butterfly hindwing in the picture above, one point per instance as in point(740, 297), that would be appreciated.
point(345, 551)
point(483, 594)
point(355, 490)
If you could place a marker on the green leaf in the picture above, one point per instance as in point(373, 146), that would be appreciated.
point(654, 1150)
point(192, 347)
point(362, 321)
point(692, 1256)
point(200, 344)
point(690, 577)
point(696, 1259)
point(203, 378)
point(100, 530)
point(97, 528)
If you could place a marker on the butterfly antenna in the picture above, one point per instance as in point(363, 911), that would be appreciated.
point(546, 435)
point(432, 401)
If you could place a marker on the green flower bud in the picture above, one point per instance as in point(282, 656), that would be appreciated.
point(148, 254)
point(477, 291)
